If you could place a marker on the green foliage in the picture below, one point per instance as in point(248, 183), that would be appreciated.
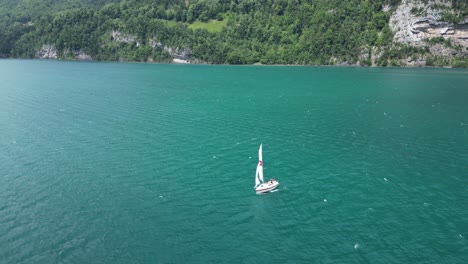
point(461, 7)
point(212, 31)
point(460, 64)
point(445, 62)
point(418, 11)
point(459, 12)
point(439, 40)
point(437, 61)
point(25, 10)
point(449, 17)
point(400, 52)
point(210, 26)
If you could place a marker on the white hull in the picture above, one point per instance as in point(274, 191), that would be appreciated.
point(267, 187)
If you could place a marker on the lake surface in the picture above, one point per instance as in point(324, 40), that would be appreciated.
point(141, 163)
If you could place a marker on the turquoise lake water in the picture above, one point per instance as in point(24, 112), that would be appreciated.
point(141, 163)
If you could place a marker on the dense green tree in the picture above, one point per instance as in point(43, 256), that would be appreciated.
point(265, 31)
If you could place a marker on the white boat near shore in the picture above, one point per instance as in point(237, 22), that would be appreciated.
point(180, 61)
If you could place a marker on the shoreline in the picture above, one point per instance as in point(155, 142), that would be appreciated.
point(240, 65)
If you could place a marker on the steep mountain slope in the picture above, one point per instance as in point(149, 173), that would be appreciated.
point(369, 32)
point(35, 8)
point(435, 25)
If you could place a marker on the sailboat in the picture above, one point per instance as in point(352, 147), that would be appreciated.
point(260, 186)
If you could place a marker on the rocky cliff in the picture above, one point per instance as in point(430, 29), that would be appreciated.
point(420, 24)
point(50, 52)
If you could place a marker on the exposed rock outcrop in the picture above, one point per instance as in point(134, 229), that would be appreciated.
point(179, 55)
point(50, 52)
point(415, 27)
point(80, 55)
point(47, 52)
point(120, 37)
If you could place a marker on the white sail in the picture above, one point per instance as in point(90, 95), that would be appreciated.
point(257, 180)
point(260, 158)
point(259, 173)
point(260, 164)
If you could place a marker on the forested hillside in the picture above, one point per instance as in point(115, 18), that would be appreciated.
point(324, 32)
